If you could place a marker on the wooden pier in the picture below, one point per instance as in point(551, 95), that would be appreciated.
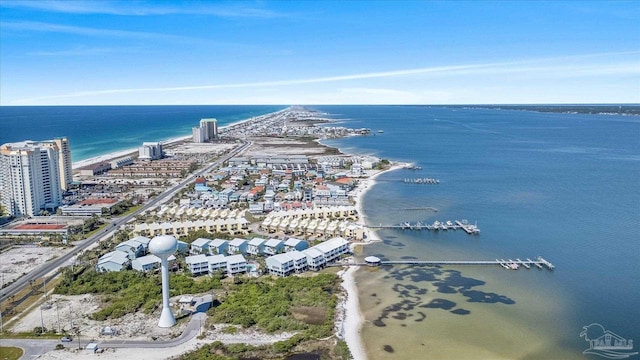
point(509, 264)
point(470, 229)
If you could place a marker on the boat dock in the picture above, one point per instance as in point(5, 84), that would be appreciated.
point(470, 229)
point(417, 208)
point(509, 264)
point(419, 181)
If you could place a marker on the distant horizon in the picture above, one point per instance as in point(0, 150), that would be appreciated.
point(408, 104)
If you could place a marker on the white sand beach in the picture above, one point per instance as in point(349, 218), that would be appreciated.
point(122, 153)
point(353, 318)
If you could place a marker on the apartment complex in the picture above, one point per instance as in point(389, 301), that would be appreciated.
point(33, 175)
point(150, 151)
point(207, 131)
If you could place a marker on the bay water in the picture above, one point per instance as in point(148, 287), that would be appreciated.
point(563, 186)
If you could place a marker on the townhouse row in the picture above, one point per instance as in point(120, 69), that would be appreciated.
point(292, 260)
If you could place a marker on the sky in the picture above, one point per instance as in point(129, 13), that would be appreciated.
point(105, 52)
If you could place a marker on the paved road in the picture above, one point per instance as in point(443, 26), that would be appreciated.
point(31, 347)
point(46, 268)
point(35, 347)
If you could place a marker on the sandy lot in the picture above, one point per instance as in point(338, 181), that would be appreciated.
point(22, 259)
point(67, 310)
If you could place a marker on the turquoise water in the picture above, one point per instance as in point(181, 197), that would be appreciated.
point(98, 130)
point(563, 186)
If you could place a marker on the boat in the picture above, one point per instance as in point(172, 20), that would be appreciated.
point(436, 225)
point(523, 263)
point(380, 131)
point(512, 265)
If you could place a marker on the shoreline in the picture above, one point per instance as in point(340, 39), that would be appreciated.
point(170, 141)
point(353, 320)
point(353, 317)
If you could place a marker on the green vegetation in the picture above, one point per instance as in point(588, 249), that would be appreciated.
point(285, 304)
point(10, 353)
point(129, 291)
point(189, 238)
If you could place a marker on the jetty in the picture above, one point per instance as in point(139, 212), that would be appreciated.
point(509, 264)
point(464, 225)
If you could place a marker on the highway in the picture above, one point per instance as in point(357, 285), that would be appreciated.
point(48, 267)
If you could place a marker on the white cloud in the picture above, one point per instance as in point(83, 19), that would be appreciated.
point(84, 31)
point(405, 88)
point(137, 8)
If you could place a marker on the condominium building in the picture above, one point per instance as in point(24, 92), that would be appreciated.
point(210, 127)
point(150, 151)
point(30, 178)
point(198, 134)
point(64, 162)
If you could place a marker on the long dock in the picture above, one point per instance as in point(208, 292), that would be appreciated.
point(418, 181)
point(436, 226)
point(509, 264)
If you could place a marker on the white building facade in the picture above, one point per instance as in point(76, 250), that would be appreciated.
point(30, 177)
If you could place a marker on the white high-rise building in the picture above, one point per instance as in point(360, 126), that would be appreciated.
point(64, 163)
point(210, 127)
point(30, 178)
point(150, 151)
point(198, 134)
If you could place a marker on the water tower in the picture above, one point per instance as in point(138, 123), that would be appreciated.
point(163, 246)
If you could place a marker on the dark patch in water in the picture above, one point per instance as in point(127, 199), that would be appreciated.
point(460, 312)
point(388, 348)
point(379, 323)
point(393, 243)
point(374, 294)
point(411, 294)
point(488, 298)
point(440, 304)
point(409, 258)
point(400, 316)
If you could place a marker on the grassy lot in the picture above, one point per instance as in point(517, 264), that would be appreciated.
point(10, 353)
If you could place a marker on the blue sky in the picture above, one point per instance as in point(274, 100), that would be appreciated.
point(318, 52)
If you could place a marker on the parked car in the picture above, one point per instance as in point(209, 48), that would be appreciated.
point(66, 339)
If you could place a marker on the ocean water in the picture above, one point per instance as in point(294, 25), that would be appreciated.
point(564, 186)
point(98, 130)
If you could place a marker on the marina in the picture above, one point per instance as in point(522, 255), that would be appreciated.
point(509, 264)
point(464, 225)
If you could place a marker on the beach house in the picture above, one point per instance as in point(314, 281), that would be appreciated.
point(280, 265)
point(292, 244)
point(273, 246)
point(238, 246)
point(197, 264)
point(200, 246)
point(113, 261)
point(132, 247)
point(315, 258)
point(333, 248)
point(236, 264)
point(218, 246)
point(256, 246)
point(217, 263)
